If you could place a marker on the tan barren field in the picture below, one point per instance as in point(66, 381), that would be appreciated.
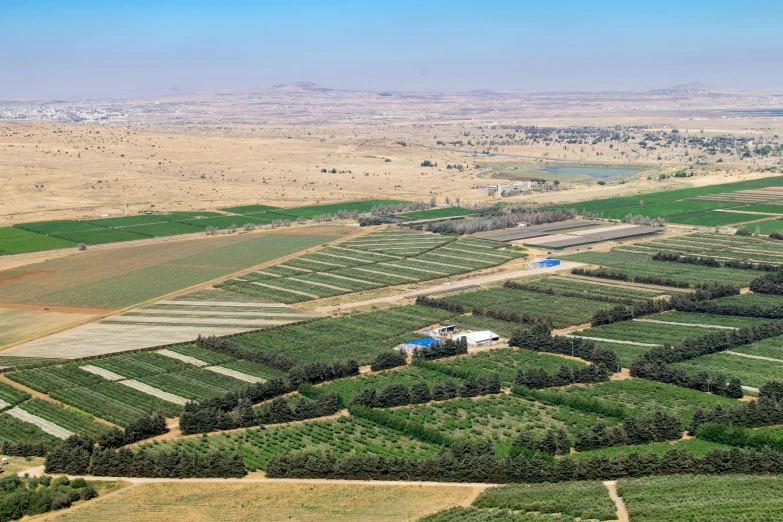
point(219, 502)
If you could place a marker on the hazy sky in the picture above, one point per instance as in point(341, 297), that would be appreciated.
point(83, 48)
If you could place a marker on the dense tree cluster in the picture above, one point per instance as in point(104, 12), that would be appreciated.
point(771, 283)
point(279, 410)
point(142, 428)
point(387, 360)
point(753, 414)
point(447, 348)
point(637, 429)
point(536, 378)
point(506, 217)
point(34, 496)
point(399, 394)
point(621, 276)
point(466, 462)
point(23, 449)
point(440, 303)
point(625, 313)
point(225, 412)
point(740, 437)
point(79, 456)
point(553, 442)
point(540, 338)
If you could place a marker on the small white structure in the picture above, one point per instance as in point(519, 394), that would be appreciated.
point(478, 338)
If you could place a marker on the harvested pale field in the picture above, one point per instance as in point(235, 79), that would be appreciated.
point(235, 374)
point(204, 321)
point(227, 304)
point(101, 372)
point(121, 276)
point(184, 358)
point(45, 426)
point(99, 339)
point(155, 392)
point(290, 502)
point(18, 324)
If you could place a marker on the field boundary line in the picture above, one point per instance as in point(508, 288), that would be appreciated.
point(697, 325)
point(631, 343)
point(759, 357)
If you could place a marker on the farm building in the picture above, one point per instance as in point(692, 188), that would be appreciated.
point(478, 338)
point(411, 346)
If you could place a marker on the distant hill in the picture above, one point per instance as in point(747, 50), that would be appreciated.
point(684, 87)
point(301, 86)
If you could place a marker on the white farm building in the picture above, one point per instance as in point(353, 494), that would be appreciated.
point(478, 338)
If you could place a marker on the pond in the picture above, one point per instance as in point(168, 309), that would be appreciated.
point(596, 172)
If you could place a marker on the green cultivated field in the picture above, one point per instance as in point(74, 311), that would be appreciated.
point(752, 372)
point(506, 362)
point(558, 310)
point(101, 236)
point(500, 418)
point(680, 196)
point(638, 264)
point(310, 212)
point(647, 333)
point(585, 500)
point(14, 430)
point(703, 498)
point(343, 436)
point(712, 219)
point(436, 213)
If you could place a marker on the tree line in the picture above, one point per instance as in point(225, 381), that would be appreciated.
point(439, 350)
point(502, 218)
point(715, 263)
point(770, 283)
point(536, 378)
point(635, 429)
point(477, 462)
point(399, 394)
point(81, 456)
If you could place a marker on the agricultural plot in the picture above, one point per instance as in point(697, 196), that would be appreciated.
point(642, 397)
point(710, 498)
point(312, 211)
point(679, 199)
point(342, 436)
point(360, 337)
point(583, 500)
point(718, 246)
point(635, 264)
point(499, 418)
point(589, 289)
point(347, 389)
point(436, 213)
point(31, 242)
point(643, 332)
point(249, 209)
point(376, 260)
point(559, 311)
point(688, 318)
point(506, 362)
point(712, 218)
point(15, 430)
point(146, 219)
point(169, 228)
point(671, 211)
point(67, 418)
point(101, 236)
point(750, 371)
point(768, 227)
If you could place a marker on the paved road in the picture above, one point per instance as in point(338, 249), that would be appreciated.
point(464, 283)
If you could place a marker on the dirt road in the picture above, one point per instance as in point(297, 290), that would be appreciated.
point(465, 283)
point(622, 513)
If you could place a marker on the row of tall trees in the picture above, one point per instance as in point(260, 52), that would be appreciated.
point(536, 378)
point(439, 350)
point(81, 456)
point(466, 462)
point(622, 276)
point(399, 394)
point(715, 263)
point(636, 429)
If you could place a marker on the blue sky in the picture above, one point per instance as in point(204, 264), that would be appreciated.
point(67, 49)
